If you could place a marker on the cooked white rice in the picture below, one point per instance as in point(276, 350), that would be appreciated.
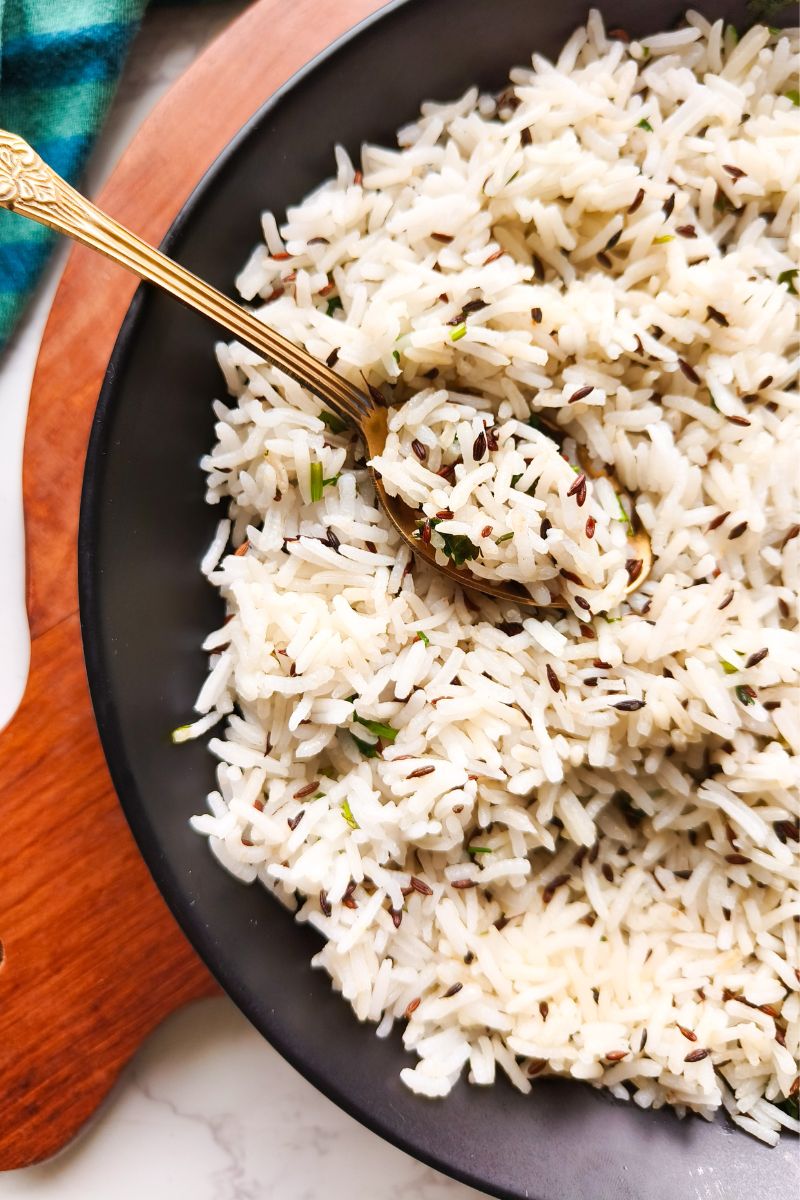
point(538, 843)
point(510, 505)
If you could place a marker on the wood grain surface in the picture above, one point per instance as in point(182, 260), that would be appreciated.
point(92, 958)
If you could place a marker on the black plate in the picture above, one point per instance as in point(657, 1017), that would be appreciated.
point(145, 610)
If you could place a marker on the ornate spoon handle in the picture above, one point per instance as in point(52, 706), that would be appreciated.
point(31, 189)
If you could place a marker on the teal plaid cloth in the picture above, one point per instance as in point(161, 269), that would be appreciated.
point(59, 65)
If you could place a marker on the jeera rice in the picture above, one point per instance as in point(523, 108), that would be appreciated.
point(557, 841)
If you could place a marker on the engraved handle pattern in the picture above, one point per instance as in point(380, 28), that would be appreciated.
point(23, 176)
point(32, 189)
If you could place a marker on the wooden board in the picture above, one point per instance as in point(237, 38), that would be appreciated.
point(92, 959)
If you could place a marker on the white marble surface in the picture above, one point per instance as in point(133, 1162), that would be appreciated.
point(207, 1109)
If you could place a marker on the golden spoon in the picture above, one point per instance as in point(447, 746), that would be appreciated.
point(32, 189)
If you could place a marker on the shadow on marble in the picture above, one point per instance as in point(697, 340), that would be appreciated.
point(209, 1110)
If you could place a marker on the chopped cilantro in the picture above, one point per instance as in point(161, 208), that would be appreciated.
point(333, 304)
point(348, 815)
point(794, 95)
point(788, 277)
point(368, 749)
point(727, 667)
point(316, 481)
point(506, 537)
point(479, 850)
point(334, 423)
point(423, 637)
point(644, 124)
point(744, 695)
point(396, 355)
point(459, 332)
point(623, 515)
point(665, 237)
point(459, 548)
point(378, 728)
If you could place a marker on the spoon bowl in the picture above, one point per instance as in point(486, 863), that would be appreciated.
point(30, 188)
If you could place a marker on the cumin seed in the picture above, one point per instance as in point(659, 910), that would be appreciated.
point(737, 531)
point(420, 886)
point(696, 1056)
point(553, 886)
point(757, 657)
point(793, 532)
point(552, 678)
point(636, 203)
point(307, 790)
point(715, 524)
point(420, 450)
point(688, 371)
point(581, 393)
point(420, 771)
